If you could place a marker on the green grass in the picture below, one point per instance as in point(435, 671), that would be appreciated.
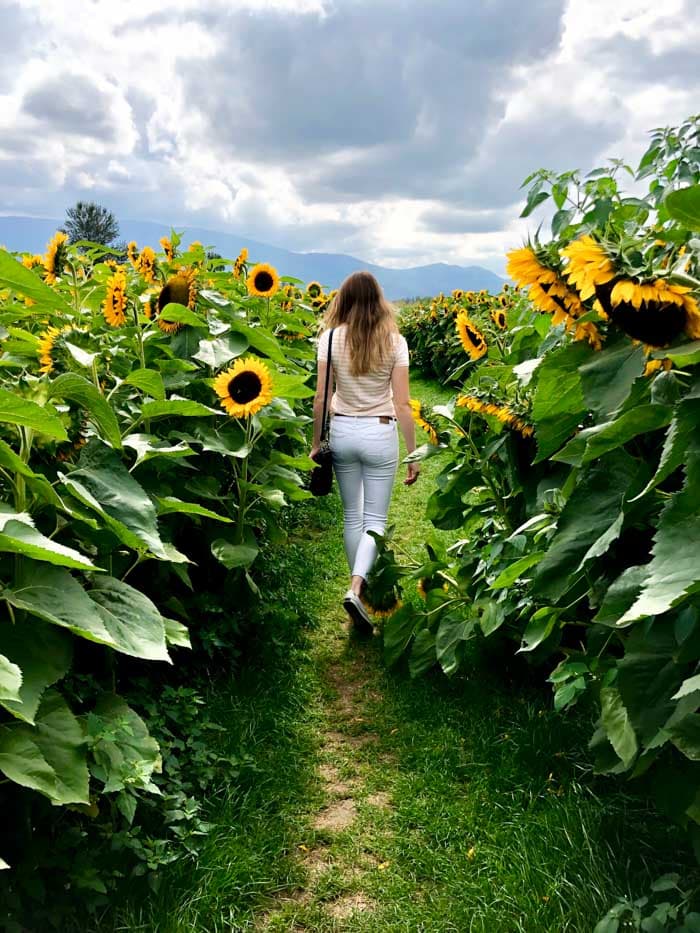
point(493, 819)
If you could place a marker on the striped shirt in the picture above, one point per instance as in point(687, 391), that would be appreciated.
point(368, 394)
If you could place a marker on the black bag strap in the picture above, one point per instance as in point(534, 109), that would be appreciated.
point(326, 419)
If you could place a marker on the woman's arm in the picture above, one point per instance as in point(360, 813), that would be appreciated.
point(402, 407)
point(318, 402)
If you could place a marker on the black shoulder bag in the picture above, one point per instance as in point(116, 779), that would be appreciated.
point(322, 475)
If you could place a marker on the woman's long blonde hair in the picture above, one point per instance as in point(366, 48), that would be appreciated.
point(369, 318)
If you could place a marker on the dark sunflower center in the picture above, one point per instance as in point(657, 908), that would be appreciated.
point(263, 281)
point(473, 336)
point(244, 387)
point(177, 292)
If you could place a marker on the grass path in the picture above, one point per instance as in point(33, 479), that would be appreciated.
point(369, 802)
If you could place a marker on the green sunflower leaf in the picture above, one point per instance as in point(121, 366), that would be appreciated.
point(149, 381)
point(19, 536)
point(674, 571)
point(684, 206)
point(592, 443)
point(77, 389)
point(42, 653)
point(234, 555)
point(10, 680)
point(177, 407)
point(24, 282)
point(559, 405)
point(607, 378)
point(49, 757)
point(169, 504)
point(17, 410)
point(616, 722)
point(175, 313)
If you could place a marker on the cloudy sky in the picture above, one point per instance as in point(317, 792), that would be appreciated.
point(395, 130)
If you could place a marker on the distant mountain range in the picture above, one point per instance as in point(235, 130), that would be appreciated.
point(31, 234)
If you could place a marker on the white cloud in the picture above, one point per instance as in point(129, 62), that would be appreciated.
point(405, 142)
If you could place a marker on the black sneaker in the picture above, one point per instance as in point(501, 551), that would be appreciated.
point(357, 612)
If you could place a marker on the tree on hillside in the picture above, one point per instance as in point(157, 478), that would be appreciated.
point(89, 221)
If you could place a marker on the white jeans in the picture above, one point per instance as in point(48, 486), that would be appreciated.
point(365, 458)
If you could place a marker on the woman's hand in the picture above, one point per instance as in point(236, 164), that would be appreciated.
point(314, 451)
point(412, 475)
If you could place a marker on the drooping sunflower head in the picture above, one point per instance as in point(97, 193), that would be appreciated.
point(263, 280)
point(55, 258)
point(589, 265)
point(654, 312)
point(114, 306)
point(244, 388)
point(470, 336)
point(420, 420)
point(47, 342)
point(240, 263)
point(52, 351)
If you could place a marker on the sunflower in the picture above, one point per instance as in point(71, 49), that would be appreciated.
point(655, 366)
point(654, 312)
point(47, 342)
point(417, 412)
point(146, 264)
point(114, 307)
point(179, 289)
point(471, 337)
point(314, 289)
point(55, 257)
point(30, 261)
point(458, 294)
point(501, 412)
point(589, 266)
point(245, 388)
point(498, 316)
point(240, 263)
point(263, 280)
point(132, 253)
point(167, 248)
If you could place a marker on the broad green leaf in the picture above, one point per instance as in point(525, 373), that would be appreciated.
point(177, 407)
point(558, 406)
point(685, 735)
point(592, 507)
point(397, 632)
point(228, 440)
point(57, 597)
point(286, 386)
point(262, 341)
point(77, 389)
point(616, 723)
point(422, 656)
point(688, 354)
point(81, 357)
point(685, 425)
point(50, 756)
point(621, 594)
point(117, 496)
point(37, 483)
point(17, 410)
point(24, 282)
point(674, 570)
point(132, 619)
point(42, 653)
point(178, 314)
point(594, 442)
point(508, 576)
point(124, 752)
point(148, 447)
point(170, 504)
point(234, 555)
point(539, 628)
point(561, 221)
point(684, 206)
point(217, 353)
point(10, 680)
point(690, 685)
point(535, 198)
point(607, 378)
point(19, 536)
point(176, 633)
point(450, 634)
point(149, 381)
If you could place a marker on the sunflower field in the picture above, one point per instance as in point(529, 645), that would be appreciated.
point(571, 478)
point(153, 426)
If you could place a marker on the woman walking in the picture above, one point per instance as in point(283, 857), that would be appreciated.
point(369, 373)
